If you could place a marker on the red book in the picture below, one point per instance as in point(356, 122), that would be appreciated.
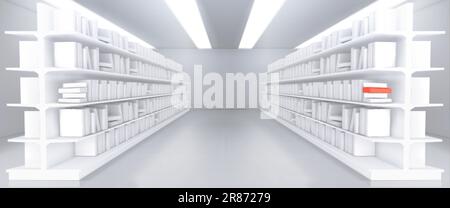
point(377, 90)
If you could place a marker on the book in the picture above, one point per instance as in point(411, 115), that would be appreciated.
point(420, 90)
point(28, 51)
point(355, 54)
point(29, 90)
point(382, 55)
point(65, 20)
point(375, 122)
point(72, 90)
point(421, 54)
point(75, 95)
point(68, 55)
point(80, 84)
point(418, 124)
point(32, 124)
point(74, 122)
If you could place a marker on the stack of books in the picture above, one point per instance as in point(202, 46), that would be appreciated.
point(77, 92)
point(376, 92)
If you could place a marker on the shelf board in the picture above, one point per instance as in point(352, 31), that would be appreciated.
point(375, 105)
point(427, 139)
point(92, 73)
point(355, 74)
point(23, 139)
point(79, 167)
point(370, 167)
point(75, 105)
point(86, 40)
point(373, 37)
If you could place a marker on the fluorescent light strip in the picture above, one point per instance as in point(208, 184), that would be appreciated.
point(102, 22)
point(188, 14)
point(347, 22)
point(261, 15)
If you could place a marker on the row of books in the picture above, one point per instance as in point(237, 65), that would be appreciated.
point(80, 122)
point(75, 55)
point(100, 90)
point(349, 143)
point(100, 143)
point(375, 55)
point(389, 20)
point(65, 20)
point(350, 90)
point(385, 20)
point(68, 21)
point(368, 122)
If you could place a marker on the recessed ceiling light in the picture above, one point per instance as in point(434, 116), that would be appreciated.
point(347, 22)
point(261, 15)
point(188, 14)
point(102, 22)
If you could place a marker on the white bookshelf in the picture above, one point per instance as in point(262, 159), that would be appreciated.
point(399, 156)
point(50, 156)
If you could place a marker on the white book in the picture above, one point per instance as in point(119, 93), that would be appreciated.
point(68, 55)
point(348, 140)
point(74, 122)
point(28, 51)
point(75, 95)
point(72, 90)
point(87, 147)
point(106, 60)
point(363, 58)
point(29, 90)
point(355, 54)
point(67, 21)
point(105, 35)
point(32, 124)
point(346, 117)
point(103, 90)
point(344, 60)
point(421, 54)
point(345, 35)
point(72, 100)
point(80, 84)
point(420, 90)
point(375, 122)
point(418, 124)
point(375, 96)
point(382, 20)
point(378, 100)
point(382, 55)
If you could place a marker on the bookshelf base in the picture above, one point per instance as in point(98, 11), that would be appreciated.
point(370, 167)
point(79, 167)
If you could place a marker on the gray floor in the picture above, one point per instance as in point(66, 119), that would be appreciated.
point(224, 149)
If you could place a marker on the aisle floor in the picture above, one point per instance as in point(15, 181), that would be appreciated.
point(222, 148)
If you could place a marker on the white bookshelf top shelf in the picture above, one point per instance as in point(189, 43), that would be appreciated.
point(356, 74)
point(86, 40)
point(371, 139)
point(23, 139)
point(373, 37)
point(375, 105)
point(371, 167)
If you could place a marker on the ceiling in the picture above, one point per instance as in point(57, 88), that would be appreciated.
point(225, 21)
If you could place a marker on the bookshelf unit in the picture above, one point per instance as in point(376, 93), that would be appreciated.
point(139, 91)
point(313, 94)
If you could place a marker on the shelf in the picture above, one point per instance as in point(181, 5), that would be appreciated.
point(85, 40)
point(23, 139)
point(373, 37)
point(76, 105)
point(92, 73)
point(371, 167)
point(375, 105)
point(428, 139)
point(79, 167)
point(356, 74)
